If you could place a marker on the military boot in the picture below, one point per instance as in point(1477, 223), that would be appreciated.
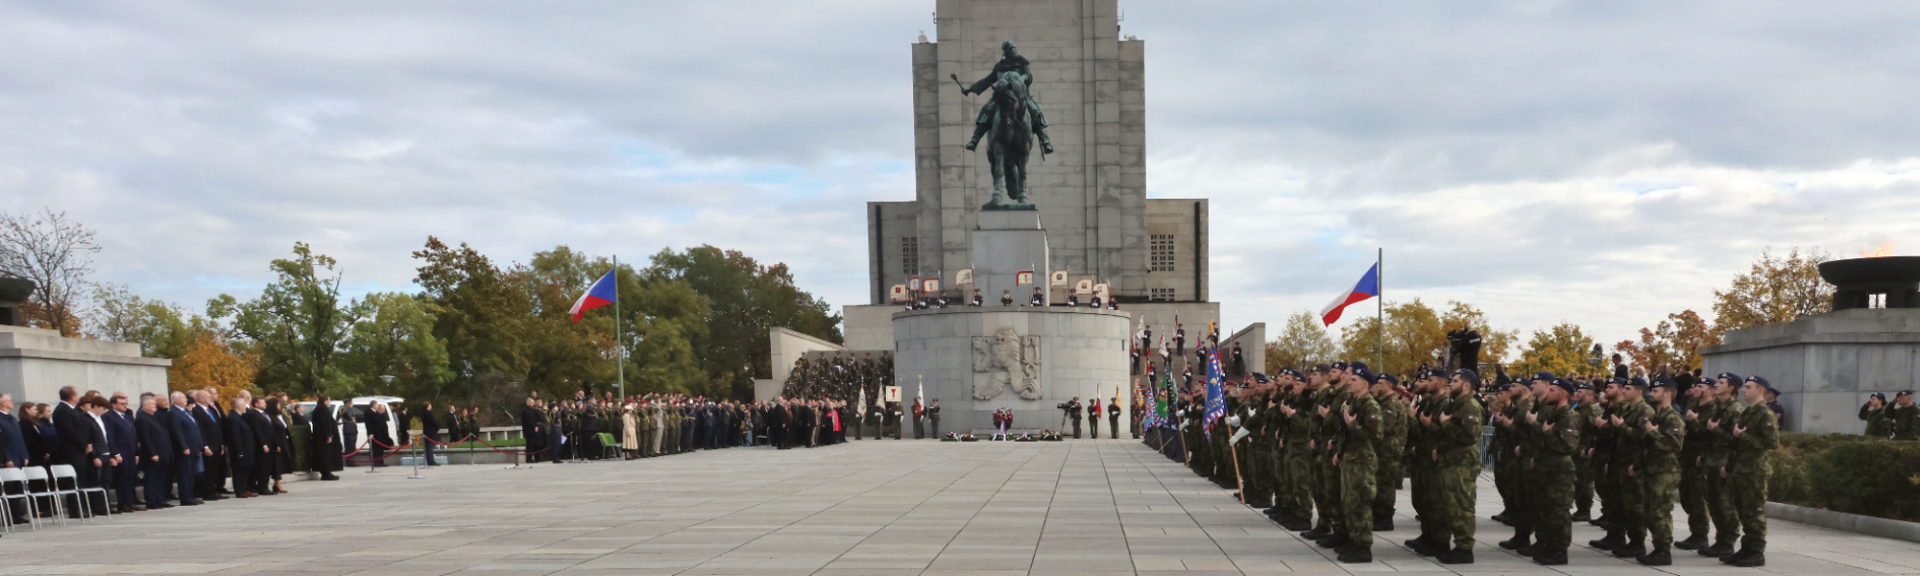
point(1755, 559)
point(1550, 557)
point(1718, 550)
point(1634, 549)
point(1334, 541)
point(1046, 144)
point(1383, 525)
point(1735, 557)
point(979, 129)
point(1457, 556)
point(1318, 532)
point(1694, 542)
point(1657, 558)
point(1358, 554)
point(1425, 546)
point(1522, 538)
point(1613, 540)
point(1582, 515)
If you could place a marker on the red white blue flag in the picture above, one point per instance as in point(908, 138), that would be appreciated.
point(1368, 287)
point(601, 293)
point(1216, 392)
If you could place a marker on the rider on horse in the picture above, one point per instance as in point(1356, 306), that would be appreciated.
point(1011, 61)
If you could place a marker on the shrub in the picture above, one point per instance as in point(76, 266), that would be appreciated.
point(1847, 473)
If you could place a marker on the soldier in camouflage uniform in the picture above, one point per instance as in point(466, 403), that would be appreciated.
point(1721, 414)
point(1431, 395)
point(1391, 451)
point(1354, 456)
point(1600, 458)
point(1627, 534)
point(1746, 471)
point(1296, 498)
point(1553, 430)
point(1325, 478)
point(1255, 417)
point(1585, 409)
point(1693, 498)
point(1455, 444)
point(1659, 472)
point(1510, 463)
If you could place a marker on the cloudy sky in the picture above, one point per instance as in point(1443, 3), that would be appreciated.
point(1603, 162)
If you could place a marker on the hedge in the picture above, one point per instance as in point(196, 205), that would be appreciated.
point(1847, 473)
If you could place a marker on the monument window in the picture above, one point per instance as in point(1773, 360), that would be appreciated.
point(909, 255)
point(1877, 300)
point(1160, 253)
point(1161, 295)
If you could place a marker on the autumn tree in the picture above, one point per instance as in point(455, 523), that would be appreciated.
point(1302, 343)
point(209, 361)
point(1563, 349)
point(1413, 339)
point(1774, 290)
point(162, 330)
point(1673, 345)
point(1494, 344)
point(57, 255)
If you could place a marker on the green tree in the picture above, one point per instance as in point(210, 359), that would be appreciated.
point(563, 355)
point(1774, 290)
point(396, 339)
point(296, 325)
point(1302, 343)
point(746, 298)
point(1562, 350)
point(477, 310)
point(162, 330)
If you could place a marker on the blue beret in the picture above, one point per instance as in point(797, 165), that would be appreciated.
point(1339, 365)
point(1731, 377)
point(1761, 380)
point(1882, 397)
point(1548, 376)
point(1260, 378)
point(1469, 374)
point(1617, 380)
point(1391, 379)
point(1322, 367)
point(1664, 382)
point(1357, 367)
point(1637, 382)
point(1903, 393)
point(1583, 386)
point(1295, 374)
point(1564, 384)
point(1361, 371)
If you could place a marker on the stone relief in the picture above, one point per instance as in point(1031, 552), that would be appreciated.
point(1006, 359)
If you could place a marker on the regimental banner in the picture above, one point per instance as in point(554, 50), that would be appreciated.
point(1023, 278)
point(898, 292)
point(1084, 286)
point(963, 276)
point(892, 394)
point(1103, 291)
point(930, 285)
point(1058, 278)
point(913, 283)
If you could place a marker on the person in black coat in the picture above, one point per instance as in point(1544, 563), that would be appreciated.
point(262, 428)
point(325, 440)
point(533, 424)
point(156, 454)
point(429, 431)
point(70, 427)
point(124, 439)
point(211, 419)
point(243, 450)
point(380, 431)
point(282, 438)
point(349, 421)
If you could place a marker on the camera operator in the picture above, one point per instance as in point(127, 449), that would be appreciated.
point(1071, 408)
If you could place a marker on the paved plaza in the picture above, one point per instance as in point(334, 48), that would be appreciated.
point(883, 508)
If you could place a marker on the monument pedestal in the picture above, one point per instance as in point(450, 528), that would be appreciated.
point(1006, 243)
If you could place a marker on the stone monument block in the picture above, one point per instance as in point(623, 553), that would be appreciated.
point(1006, 243)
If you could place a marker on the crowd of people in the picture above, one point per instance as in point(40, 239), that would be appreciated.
point(646, 426)
point(1325, 450)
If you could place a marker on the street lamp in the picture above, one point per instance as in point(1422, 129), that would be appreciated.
point(387, 379)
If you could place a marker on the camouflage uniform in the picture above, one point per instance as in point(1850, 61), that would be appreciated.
point(1554, 439)
point(1391, 456)
point(1583, 416)
point(1357, 463)
point(1693, 489)
point(1458, 443)
point(1726, 524)
point(1659, 476)
point(1327, 492)
point(1747, 475)
point(1297, 491)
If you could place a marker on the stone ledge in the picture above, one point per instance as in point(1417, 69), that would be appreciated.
point(1869, 525)
point(1012, 309)
point(36, 354)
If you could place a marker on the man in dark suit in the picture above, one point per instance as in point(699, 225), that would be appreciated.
point(190, 450)
point(429, 431)
point(98, 465)
point(70, 425)
point(533, 424)
point(243, 451)
point(213, 468)
point(125, 443)
point(262, 428)
point(155, 455)
point(325, 441)
point(13, 444)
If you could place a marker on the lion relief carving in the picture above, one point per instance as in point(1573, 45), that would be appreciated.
point(1006, 359)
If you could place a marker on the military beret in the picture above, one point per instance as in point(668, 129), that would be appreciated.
point(1882, 397)
point(1564, 384)
point(1638, 382)
point(1583, 386)
point(1322, 367)
point(1903, 393)
point(1617, 380)
point(1260, 378)
point(1358, 367)
point(1761, 380)
point(1664, 382)
point(1339, 365)
point(1242, 384)
point(1731, 377)
point(1295, 374)
point(1391, 379)
point(1469, 374)
point(1548, 376)
point(1433, 373)
point(1361, 371)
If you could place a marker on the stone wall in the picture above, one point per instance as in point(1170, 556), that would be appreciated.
point(1826, 365)
point(35, 363)
point(1082, 352)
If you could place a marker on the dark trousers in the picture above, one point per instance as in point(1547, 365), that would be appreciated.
point(242, 479)
point(124, 476)
point(426, 444)
point(184, 476)
point(155, 484)
point(213, 475)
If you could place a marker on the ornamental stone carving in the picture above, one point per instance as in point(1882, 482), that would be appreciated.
point(1006, 359)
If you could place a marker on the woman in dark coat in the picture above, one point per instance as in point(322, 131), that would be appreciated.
point(38, 430)
point(325, 440)
point(243, 451)
point(282, 442)
point(377, 429)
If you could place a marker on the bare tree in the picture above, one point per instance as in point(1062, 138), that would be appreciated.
point(56, 254)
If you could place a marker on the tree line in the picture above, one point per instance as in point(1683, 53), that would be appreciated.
point(692, 321)
point(1773, 290)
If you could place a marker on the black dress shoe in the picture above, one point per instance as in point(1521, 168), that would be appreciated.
point(190, 502)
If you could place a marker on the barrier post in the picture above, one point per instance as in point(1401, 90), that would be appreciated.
point(416, 457)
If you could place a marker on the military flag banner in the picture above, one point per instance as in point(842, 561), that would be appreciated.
point(963, 276)
point(1084, 286)
point(1023, 278)
point(898, 292)
point(1057, 278)
point(1216, 392)
point(930, 285)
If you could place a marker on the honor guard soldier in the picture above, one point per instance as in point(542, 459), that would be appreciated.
point(1093, 417)
point(1752, 435)
point(1721, 415)
point(1113, 417)
point(1390, 453)
point(1904, 417)
point(1073, 409)
point(1360, 435)
point(1658, 473)
point(1874, 413)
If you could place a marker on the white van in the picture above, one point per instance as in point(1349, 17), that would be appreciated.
point(358, 408)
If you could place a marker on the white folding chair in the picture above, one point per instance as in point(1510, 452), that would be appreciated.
point(66, 472)
point(13, 486)
point(47, 490)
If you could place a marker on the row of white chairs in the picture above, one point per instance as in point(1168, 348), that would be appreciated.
point(53, 483)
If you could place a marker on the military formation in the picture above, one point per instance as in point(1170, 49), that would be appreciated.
point(840, 376)
point(1898, 420)
point(1324, 452)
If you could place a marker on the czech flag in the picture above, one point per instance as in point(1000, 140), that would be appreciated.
point(601, 293)
point(1368, 287)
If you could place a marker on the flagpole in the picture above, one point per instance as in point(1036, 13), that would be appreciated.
point(620, 342)
point(1380, 311)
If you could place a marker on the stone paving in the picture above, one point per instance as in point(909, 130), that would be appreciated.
point(874, 507)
